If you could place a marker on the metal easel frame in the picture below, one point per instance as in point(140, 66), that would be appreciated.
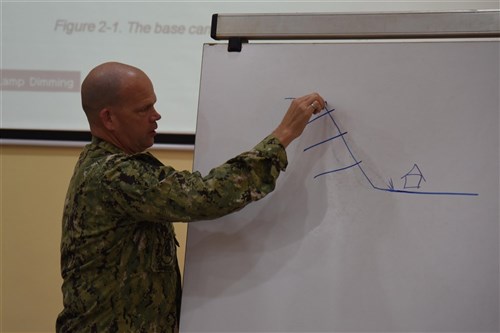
point(238, 28)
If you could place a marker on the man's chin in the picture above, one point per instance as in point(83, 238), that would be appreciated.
point(150, 143)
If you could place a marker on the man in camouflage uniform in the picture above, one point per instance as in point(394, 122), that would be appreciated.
point(118, 249)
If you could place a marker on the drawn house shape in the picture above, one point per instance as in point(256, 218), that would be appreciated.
point(413, 178)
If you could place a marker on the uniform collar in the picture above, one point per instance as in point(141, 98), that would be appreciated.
point(105, 145)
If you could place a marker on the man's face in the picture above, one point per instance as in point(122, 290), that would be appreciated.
point(135, 116)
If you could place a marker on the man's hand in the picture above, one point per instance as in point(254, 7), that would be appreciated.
point(295, 120)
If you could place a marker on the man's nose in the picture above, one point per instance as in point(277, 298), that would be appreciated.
point(156, 116)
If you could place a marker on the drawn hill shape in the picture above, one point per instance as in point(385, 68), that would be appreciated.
point(412, 179)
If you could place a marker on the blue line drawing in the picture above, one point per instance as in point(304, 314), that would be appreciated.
point(340, 169)
point(412, 179)
point(329, 139)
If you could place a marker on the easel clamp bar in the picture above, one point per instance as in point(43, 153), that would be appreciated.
point(478, 23)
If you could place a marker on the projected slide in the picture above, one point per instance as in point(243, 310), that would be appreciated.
point(48, 48)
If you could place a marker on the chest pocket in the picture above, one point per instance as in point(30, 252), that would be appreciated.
point(163, 247)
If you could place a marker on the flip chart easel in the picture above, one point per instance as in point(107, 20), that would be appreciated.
point(387, 218)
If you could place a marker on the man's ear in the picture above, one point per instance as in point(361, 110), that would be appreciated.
point(107, 119)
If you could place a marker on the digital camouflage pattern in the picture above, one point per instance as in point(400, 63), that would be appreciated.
point(118, 248)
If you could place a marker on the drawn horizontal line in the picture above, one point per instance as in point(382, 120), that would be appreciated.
point(321, 115)
point(336, 170)
point(428, 193)
point(329, 139)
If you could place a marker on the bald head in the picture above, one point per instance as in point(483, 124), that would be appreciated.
point(103, 86)
point(119, 101)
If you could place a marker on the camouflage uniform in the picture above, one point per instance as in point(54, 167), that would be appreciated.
point(118, 249)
